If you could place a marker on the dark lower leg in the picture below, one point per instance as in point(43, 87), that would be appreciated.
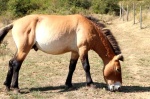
point(72, 67)
point(16, 68)
point(86, 66)
point(9, 75)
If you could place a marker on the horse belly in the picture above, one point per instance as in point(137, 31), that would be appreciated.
point(52, 47)
point(54, 44)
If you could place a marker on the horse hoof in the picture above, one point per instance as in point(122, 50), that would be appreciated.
point(16, 91)
point(6, 89)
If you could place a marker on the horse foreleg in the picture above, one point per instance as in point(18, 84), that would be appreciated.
point(86, 66)
point(72, 66)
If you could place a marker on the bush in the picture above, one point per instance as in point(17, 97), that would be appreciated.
point(85, 4)
point(21, 7)
point(3, 5)
point(105, 6)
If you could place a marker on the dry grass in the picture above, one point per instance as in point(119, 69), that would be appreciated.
point(43, 76)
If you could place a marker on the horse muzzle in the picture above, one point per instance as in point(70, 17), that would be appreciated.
point(115, 87)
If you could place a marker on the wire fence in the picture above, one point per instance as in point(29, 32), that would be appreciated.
point(134, 11)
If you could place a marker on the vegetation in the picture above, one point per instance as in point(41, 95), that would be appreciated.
point(144, 3)
point(17, 8)
point(42, 76)
point(3, 49)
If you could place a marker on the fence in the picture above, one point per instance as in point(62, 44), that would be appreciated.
point(134, 8)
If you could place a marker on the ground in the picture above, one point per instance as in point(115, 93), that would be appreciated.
point(43, 76)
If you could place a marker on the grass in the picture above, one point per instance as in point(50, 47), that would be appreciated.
point(47, 74)
point(43, 76)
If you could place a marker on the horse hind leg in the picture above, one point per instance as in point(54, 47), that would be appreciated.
point(14, 67)
point(9, 76)
point(72, 66)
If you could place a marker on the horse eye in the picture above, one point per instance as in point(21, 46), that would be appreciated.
point(118, 70)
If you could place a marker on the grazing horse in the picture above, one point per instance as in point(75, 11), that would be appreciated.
point(56, 34)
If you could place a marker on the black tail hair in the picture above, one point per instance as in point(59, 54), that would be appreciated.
point(4, 31)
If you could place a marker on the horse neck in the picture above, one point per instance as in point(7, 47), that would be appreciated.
point(104, 49)
point(106, 56)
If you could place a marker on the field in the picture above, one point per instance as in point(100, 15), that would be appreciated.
point(43, 76)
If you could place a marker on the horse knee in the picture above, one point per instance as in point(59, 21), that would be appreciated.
point(83, 52)
point(14, 64)
point(72, 65)
point(85, 63)
point(86, 67)
point(10, 64)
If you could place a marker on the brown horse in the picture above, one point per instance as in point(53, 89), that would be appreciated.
point(54, 34)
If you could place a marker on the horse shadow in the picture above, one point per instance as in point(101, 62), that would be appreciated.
point(76, 86)
point(128, 89)
point(61, 88)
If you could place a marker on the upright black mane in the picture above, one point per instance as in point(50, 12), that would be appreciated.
point(112, 40)
point(96, 21)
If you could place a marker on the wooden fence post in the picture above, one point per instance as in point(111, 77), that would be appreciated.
point(140, 17)
point(127, 12)
point(133, 13)
point(120, 10)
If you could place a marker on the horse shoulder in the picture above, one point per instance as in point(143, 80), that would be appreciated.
point(86, 34)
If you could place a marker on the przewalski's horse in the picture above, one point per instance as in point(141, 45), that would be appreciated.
point(54, 34)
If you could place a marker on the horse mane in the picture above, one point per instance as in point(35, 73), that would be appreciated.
point(112, 40)
point(96, 21)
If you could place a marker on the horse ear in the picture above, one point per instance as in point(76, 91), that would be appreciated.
point(119, 57)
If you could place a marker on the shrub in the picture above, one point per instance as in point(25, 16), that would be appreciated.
point(85, 4)
point(21, 7)
point(3, 5)
point(105, 6)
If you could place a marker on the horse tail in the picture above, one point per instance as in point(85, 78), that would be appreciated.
point(4, 31)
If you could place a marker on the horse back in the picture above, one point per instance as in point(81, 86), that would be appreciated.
point(53, 34)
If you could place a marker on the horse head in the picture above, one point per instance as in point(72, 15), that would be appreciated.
point(112, 73)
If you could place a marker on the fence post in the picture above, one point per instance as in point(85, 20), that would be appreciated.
point(127, 12)
point(120, 10)
point(133, 13)
point(140, 17)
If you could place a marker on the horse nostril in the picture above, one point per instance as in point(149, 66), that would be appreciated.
point(115, 87)
point(119, 89)
point(112, 88)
